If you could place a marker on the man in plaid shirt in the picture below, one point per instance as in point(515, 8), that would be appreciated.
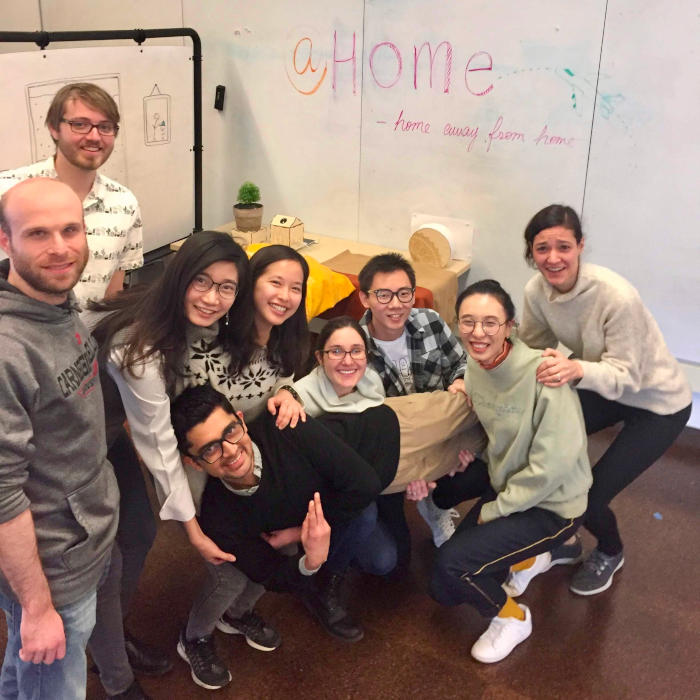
point(413, 350)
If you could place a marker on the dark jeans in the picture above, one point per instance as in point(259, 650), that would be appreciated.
point(349, 540)
point(471, 566)
point(135, 535)
point(226, 589)
point(644, 437)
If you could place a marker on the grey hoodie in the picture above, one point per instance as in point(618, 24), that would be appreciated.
point(52, 440)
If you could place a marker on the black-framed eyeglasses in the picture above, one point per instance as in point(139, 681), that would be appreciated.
point(490, 326)
point(83, 126)
point(212, 451)
point(203, 283)
point(384, 296)
point(337, 353)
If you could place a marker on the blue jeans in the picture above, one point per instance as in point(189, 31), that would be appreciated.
point(61, 680)
point(361, 539)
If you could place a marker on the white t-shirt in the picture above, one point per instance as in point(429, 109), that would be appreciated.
point(398, 354)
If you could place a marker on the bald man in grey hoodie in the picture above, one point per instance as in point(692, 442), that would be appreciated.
point(58, 494)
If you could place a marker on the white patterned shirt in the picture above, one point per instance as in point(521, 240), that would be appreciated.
point(112, 221)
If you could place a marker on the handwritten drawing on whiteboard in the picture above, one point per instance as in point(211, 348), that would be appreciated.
point(39, 98)
point(156, 118)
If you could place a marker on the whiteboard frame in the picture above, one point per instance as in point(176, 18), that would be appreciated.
point(43, 39)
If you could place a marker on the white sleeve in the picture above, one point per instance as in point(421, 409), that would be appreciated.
point(147, 408)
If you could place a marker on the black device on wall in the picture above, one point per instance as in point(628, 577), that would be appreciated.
point(219, 97)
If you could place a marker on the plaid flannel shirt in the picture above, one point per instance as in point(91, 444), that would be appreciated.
point(437, 356)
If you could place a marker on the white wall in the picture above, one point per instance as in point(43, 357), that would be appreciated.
point(323, 156)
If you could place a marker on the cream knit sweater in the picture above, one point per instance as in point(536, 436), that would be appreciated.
point(603, 321)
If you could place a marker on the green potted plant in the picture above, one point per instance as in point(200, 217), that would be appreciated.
point(248, 211)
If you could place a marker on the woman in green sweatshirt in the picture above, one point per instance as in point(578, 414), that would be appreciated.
point(532, 493)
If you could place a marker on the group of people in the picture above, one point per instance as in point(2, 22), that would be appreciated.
point(284, 479)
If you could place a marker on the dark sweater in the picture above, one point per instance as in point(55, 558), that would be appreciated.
point(295, 463)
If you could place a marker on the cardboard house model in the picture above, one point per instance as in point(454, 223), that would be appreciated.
point(287, 230)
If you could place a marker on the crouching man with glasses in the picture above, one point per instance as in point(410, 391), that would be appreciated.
point(269, 488)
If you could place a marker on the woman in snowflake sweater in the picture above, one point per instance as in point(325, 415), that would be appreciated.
point(197, 325)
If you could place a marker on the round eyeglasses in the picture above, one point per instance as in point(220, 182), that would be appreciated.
point(384, 296)
point(213, 451)
point(337, 353)
point(83, 126)
point(203, 283)
point(489, 326)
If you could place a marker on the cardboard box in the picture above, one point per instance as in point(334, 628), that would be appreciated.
point(287, 230)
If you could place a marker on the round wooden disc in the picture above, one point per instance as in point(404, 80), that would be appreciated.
point(428, 245)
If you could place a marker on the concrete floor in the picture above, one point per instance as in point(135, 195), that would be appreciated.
point(637, 640)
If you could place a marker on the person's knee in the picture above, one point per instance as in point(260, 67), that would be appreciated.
point(365, 523)
point(383, 561)
point(442, 583)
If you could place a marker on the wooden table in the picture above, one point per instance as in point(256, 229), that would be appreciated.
point(324, 248)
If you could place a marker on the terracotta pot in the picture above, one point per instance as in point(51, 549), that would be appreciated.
point(248, 216)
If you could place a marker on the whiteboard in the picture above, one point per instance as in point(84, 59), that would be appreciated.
point(153, 151)
point(492, 133)
point(317, 92)
point(642, 204)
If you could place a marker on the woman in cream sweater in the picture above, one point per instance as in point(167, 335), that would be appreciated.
point(619, 363)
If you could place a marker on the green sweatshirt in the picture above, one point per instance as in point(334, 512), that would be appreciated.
point(537, 439)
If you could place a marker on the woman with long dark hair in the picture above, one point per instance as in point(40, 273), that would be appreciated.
point(197, 325)
point(149, 337)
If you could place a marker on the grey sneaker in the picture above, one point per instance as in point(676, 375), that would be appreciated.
point(596, 573)
point(208, 671)
point(258, 633)
point(440, 520)
point(567, 553)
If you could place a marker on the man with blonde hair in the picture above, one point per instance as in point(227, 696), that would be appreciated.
point(83, 120)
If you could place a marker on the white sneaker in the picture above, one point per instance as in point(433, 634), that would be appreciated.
point(501, 637)
point(438, 519)
point(518, 581)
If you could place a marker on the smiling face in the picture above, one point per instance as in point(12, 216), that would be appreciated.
point(482, 308)
point(235, 466)
point(388, 320)
point(46, 245)
point(556, 254)
point(345, 373)
point(84, 151)
point(205, 308)
point(277, 295)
